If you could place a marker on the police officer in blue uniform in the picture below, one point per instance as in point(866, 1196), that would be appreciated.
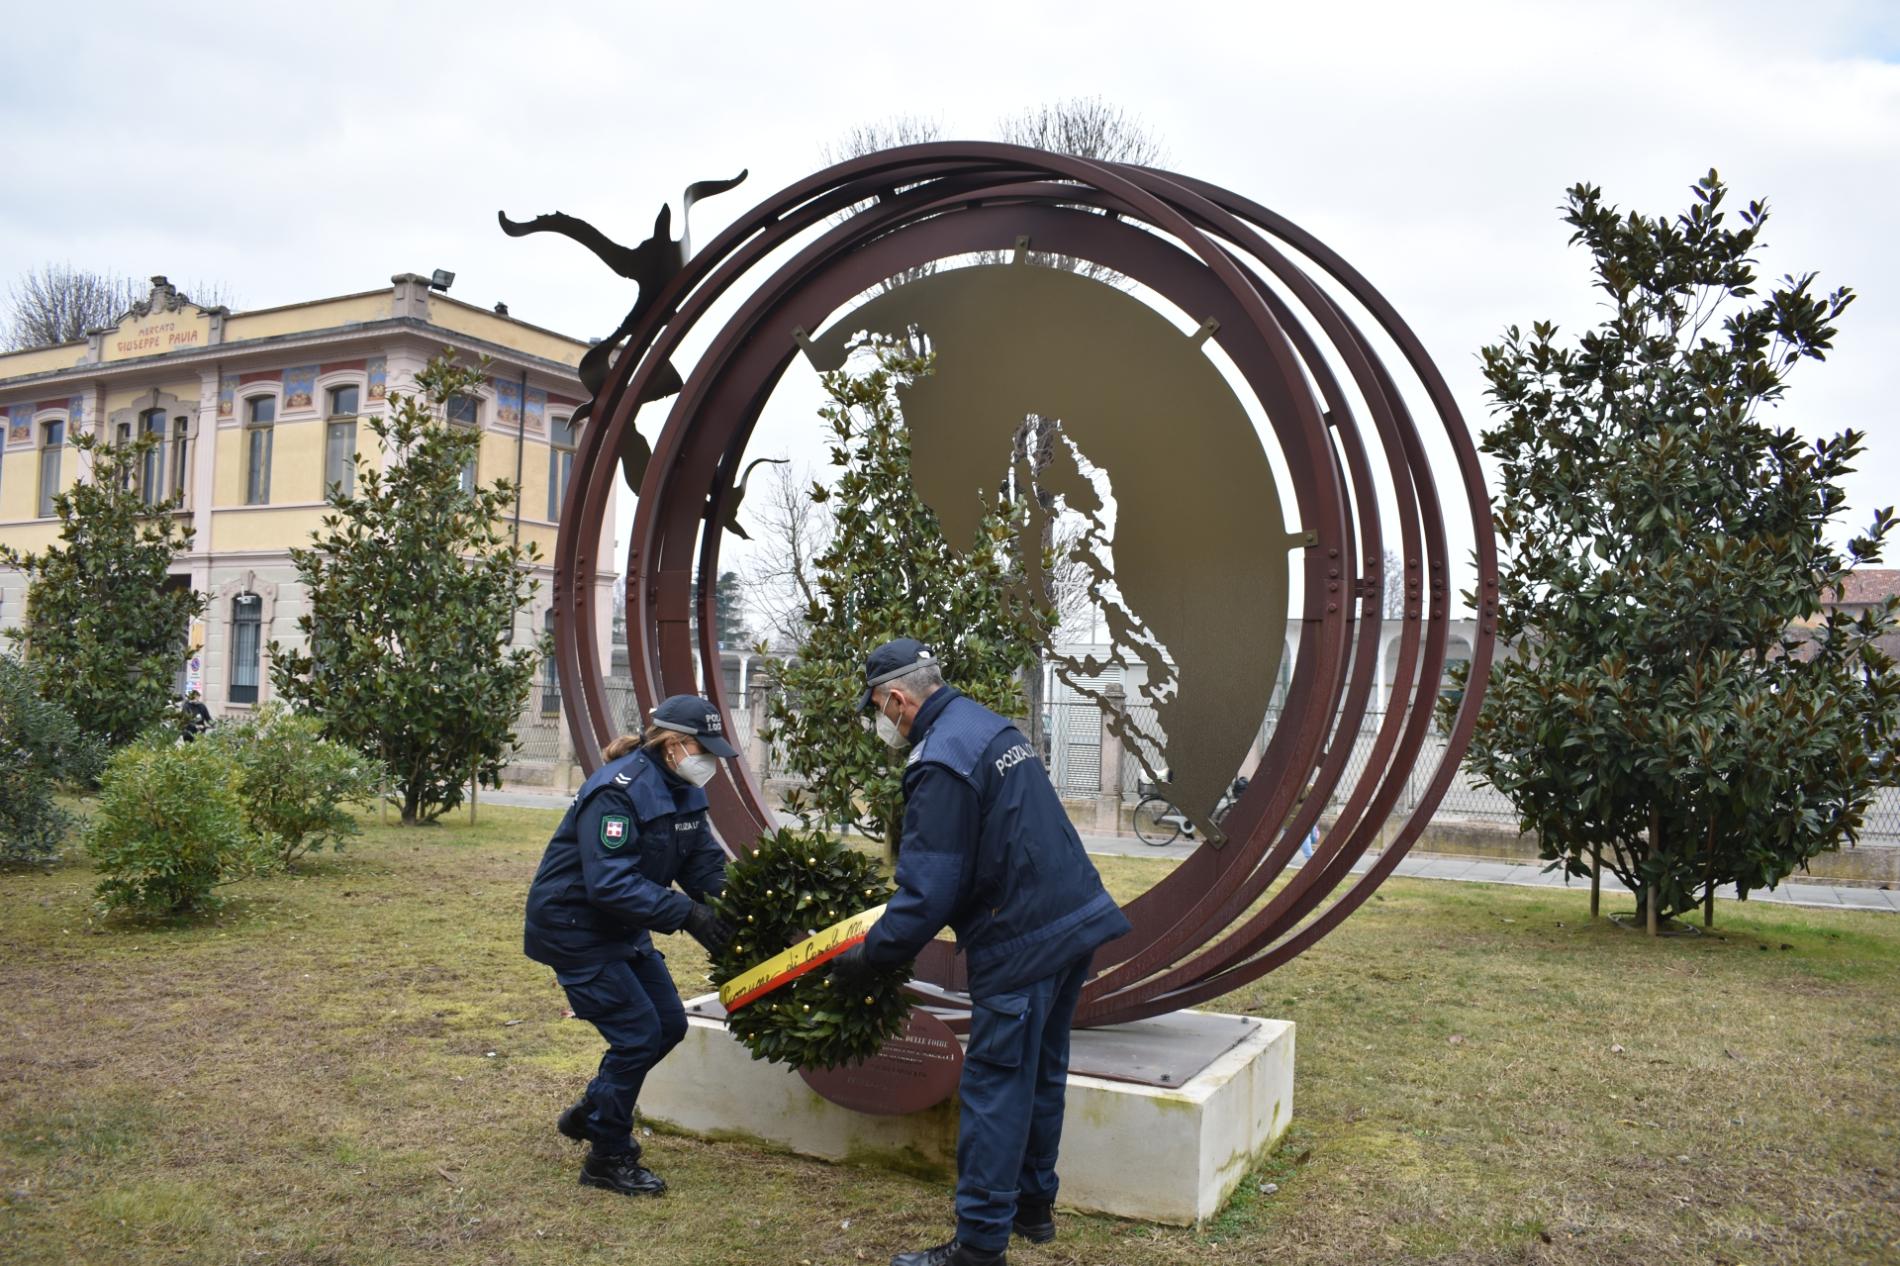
point(988, 851)
point(635, 829)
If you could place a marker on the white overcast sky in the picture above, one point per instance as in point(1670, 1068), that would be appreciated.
point(290, 152)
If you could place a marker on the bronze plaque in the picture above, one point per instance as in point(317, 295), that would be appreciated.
point(917, 1069)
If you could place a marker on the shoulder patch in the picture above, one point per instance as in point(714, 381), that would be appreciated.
point(622, 780)
point(614, 829)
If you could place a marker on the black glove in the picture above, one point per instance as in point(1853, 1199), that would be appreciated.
point(851, 970)
point(707, 928)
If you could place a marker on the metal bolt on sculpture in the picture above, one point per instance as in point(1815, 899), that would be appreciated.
point(1202, 559)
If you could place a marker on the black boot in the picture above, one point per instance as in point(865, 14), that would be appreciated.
point(1035, 1221)
point(951, 1254)
point(621, 1172)
point(573, 1121)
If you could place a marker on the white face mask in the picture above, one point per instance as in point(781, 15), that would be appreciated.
point(697, 770)
point(888, 731)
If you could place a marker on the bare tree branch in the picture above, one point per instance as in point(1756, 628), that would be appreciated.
point(57, 303)
point(869, 138)
point(1084, 127)
point(1392, 590)
point(780, 582)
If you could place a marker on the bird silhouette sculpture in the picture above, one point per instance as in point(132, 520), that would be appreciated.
point(651, 264)
point(738, 494)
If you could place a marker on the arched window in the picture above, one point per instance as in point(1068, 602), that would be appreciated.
point(339, 446)
point(560, 464)
point(247, 631)
point(152, 461)
point(550, 674)
point(260, 412)
point(466, 412)
point(52, 444)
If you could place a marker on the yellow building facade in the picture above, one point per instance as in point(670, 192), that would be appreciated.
point(257, 413)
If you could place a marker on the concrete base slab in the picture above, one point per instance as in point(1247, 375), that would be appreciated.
point(1194, 1141)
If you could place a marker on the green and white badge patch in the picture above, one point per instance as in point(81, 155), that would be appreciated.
point(614, 829)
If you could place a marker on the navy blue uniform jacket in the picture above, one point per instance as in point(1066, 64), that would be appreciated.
point(988, 851)
point(605, 881)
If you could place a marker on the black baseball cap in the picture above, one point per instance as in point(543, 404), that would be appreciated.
point(690, 714)
point(891, 661)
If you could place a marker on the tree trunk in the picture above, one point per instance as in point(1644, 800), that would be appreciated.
point(1649, 894)
point(1596, 877)
point(1708, 879)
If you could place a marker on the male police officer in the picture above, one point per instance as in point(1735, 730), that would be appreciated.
point(987, 850)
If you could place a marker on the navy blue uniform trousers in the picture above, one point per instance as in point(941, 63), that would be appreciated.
point(1015, 1074)
point(637, 1009)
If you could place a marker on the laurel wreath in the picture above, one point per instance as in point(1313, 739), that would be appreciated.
point(794, 884)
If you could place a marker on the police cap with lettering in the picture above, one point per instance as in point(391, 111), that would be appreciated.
point(690, 714)
point(891, 661)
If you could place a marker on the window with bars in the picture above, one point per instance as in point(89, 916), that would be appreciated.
point(247, 632)
point(339, 444)
point(52, 445)
point(152, 462)
point(560, 464)
point(260, 413)
point(181, 447)
point(550, 674)
point(466, 412)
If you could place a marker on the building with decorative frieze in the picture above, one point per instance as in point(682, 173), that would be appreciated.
point(257, 413)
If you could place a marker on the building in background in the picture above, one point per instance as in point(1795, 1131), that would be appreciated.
point(257, 414)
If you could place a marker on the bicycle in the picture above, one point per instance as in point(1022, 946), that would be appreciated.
point(1158, 822)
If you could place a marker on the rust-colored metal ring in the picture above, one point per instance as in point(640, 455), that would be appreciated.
point(1257, 273)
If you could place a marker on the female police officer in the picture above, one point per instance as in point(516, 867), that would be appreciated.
point(635, 828)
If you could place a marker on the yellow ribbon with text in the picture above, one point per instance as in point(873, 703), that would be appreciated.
point(814, 950)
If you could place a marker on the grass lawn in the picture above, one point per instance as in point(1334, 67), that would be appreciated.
point(357, 1065)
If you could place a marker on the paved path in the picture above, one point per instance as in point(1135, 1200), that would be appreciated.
point(1417, 866)
point(1533, 875)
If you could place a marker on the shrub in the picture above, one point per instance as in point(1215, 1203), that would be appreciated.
point(40, 745)
point(293, 783)
point(169, 827)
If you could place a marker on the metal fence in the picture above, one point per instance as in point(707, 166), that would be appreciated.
point(1073, 738)
point(541, 735)
point(1074, 733)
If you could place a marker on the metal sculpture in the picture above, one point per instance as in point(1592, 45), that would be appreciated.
point(1335, 410)
point(650, 265)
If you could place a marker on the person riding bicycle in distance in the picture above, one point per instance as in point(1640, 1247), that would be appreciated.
point(987, 850)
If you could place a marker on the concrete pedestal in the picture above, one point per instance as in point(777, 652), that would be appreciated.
point(1157, 1152)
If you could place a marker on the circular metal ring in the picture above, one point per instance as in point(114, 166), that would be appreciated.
point(1207, 251)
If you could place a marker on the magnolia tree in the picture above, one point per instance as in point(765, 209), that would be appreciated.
point(887, 572)
point(103, 619)
point(414, 587)
point(1684, 709)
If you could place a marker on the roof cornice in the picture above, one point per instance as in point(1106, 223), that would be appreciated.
point(274, 346)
